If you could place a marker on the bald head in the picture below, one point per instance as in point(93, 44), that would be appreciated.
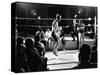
point(58, 17)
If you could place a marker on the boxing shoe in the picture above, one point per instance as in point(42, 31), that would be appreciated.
point(55, 53)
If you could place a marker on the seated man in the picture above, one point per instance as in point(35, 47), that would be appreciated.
point(94, 55)
point(39, 46)
point(41, 50)
point(40, 33)
point(32, 58)
point(20, 66)
point(84, 58)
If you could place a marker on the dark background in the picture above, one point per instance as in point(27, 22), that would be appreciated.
point(26, 10)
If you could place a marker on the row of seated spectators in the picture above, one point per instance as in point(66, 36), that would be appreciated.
point(31, 52)
point(30, 55)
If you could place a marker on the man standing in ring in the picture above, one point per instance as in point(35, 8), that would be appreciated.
point(55, 33)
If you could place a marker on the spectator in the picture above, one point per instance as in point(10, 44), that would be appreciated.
point(32, 57)
point(84, 58)
point(94, 55)
point(94, 51)
point(41, 49)
point(20, 66)
point(39, 46)
point(40, 33)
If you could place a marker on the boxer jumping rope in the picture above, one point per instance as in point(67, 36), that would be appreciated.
point(55, 33)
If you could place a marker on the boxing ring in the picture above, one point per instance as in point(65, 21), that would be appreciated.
point(66, 58)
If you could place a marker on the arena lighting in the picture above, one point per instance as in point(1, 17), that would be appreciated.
point(39, 17)
point(75, 16)
point(89, 25)
point(89, 18)
point(16, 17)
point(60, 28)
point(79, 11)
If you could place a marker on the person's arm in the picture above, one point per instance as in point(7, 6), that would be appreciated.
point(53, 25)
point(37, 32)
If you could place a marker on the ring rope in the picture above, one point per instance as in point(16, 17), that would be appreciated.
point(19, 18)
point(49, 26)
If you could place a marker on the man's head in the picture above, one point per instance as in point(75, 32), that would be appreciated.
point(58, 17)
point(20, 40)
point(40, 29)
point(29, 43)
point(85, 53)
point(48, 29)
